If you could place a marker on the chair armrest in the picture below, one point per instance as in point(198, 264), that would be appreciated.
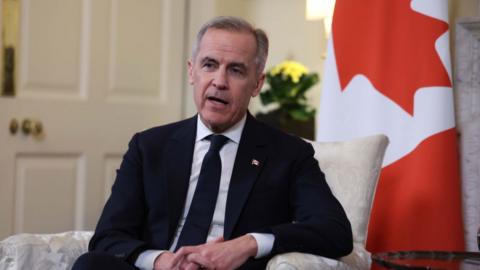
point(358, 259)
point(43, 251)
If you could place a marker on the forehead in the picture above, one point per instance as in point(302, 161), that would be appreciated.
point(224, 43)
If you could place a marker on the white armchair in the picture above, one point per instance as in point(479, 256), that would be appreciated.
point(351, 169)
point(43, 251)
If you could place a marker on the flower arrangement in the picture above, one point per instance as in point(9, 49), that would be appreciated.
point(288, 82)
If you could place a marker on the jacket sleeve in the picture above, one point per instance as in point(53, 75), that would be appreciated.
point(320, 225)
point(120, 226)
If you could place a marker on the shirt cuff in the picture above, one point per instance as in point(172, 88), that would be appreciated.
point(264, 243)
point(146, 259)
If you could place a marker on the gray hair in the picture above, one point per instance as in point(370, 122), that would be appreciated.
point(236, 24)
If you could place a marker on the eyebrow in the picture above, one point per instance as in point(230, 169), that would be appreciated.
point(232, 64)
point(208, 59)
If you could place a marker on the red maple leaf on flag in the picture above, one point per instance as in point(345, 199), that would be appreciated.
point(394, 48)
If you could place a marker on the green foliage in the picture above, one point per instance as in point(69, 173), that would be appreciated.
point(290, 95)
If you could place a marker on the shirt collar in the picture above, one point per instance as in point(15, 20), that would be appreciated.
point(233, 133)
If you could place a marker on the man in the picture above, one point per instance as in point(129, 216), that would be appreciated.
point(271, 196)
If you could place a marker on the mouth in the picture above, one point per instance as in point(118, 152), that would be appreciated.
point(218, 100)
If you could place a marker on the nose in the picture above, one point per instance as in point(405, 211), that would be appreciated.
point(220, 79)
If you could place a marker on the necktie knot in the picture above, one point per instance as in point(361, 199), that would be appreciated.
point(217, 142)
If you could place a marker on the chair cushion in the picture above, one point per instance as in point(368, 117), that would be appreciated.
point(43, 251)
point(358, 259)
point(351, 169)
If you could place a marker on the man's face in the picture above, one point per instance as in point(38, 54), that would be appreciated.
point(223, 75)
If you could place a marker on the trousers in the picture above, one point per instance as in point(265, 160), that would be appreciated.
point(104, 261)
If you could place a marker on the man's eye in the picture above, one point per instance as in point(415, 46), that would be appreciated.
point(209, 65)
point(237, 71)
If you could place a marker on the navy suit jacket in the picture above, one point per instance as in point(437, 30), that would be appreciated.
point(285, 194)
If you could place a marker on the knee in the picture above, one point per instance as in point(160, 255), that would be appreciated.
point(87, 261)
point(94, 261)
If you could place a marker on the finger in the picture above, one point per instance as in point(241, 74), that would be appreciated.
point(217, 240)
point(165, 260)
point(192, 266)
point(188, 266)
point(187, 250)
point(200, 260)
point(182, 253)
point(177, 258)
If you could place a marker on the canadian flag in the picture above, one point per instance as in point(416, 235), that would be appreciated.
point(388, 71)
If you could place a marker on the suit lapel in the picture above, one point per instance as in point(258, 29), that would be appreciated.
point(178, 156)
point(251, 157)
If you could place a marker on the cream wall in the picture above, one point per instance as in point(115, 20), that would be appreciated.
point(463, 8)
point(291, 36)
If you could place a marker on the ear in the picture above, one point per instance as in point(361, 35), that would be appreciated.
point(190, 71)
point(258, 87)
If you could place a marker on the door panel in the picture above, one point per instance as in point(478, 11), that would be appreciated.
point(47, 192)
point(93, 73)
point(135, 77)
point(50, 42)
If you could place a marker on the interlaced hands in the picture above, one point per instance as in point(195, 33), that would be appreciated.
point(217, 254)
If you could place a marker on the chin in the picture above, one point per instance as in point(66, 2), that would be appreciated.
point(218, 126)
point(214, 122)
point(214, 117)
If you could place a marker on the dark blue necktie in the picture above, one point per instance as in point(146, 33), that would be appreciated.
point(199, 217)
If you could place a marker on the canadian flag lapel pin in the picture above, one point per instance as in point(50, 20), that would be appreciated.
point(255, 162)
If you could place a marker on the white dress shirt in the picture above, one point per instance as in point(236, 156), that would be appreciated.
point(228, 153)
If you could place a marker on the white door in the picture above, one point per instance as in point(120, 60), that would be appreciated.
point(92, 73)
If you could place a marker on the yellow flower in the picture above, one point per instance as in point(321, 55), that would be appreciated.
point(291, 69)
